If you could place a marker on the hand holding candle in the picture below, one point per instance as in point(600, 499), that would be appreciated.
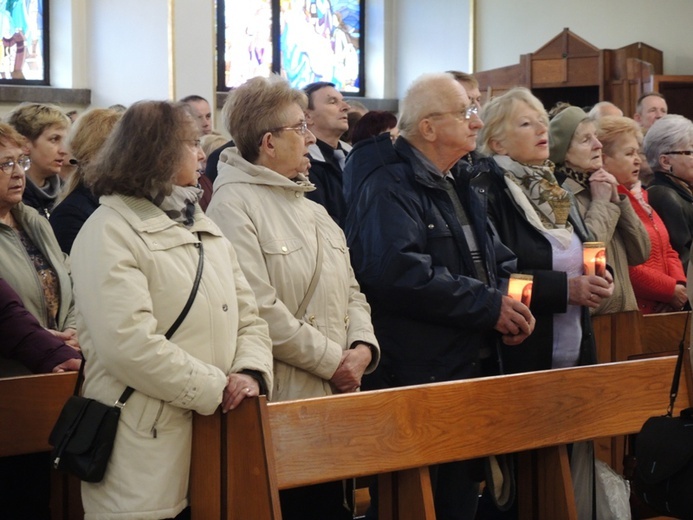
point(594, 258)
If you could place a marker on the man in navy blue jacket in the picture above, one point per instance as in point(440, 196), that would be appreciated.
point(429, 261)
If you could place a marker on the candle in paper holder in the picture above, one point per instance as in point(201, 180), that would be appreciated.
point(594, 258)
point(520, 287)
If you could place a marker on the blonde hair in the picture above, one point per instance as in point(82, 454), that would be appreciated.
point(86, 139)
point(211, 142)
point(497, 113)
point(31, 119)
point(611, 128)
point(255, 108)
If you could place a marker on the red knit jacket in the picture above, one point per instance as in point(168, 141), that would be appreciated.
point(655, 280)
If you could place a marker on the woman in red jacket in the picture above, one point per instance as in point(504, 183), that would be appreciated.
point(659, 283)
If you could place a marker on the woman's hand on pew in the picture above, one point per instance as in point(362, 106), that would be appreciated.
point(238, 387)
point(71, 365)
point(69, 336)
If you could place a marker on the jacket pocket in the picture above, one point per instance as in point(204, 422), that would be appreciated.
point(281, 246)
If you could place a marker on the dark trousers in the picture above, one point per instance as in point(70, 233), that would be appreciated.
point(25, 487)
point(455, 491)
point(319, 502)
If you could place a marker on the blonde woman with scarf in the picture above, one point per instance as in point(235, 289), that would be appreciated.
point(539, 221)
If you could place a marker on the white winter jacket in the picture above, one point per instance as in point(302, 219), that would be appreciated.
point(273, 228)
point(133, 270)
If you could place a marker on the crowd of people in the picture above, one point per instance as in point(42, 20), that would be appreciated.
point(326, 249)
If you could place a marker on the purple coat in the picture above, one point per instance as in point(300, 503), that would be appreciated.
point(23, 339)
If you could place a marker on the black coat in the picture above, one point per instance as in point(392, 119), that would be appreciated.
point(535, 257)
point(674, 205)
point(68, 217)
point(431, 315)
point(326, 175)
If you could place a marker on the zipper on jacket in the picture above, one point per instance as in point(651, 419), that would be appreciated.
point(156, 419)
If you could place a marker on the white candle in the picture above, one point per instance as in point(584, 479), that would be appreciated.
point(594, 258)
point(520, 287)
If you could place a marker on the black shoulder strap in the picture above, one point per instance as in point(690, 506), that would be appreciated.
point(172, 329)
point(677, 372)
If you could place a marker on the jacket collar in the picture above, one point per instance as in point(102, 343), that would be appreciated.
point(316, 150)
point(145, 217)
point(422, 172)
point(234, 169)
point(662, 179)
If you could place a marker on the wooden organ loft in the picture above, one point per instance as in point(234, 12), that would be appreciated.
point(568, 68)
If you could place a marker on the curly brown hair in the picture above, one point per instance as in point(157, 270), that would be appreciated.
point(144, 152)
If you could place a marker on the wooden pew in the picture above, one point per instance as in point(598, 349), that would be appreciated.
point(261, 448)
point(661, 333)
point(29, 407)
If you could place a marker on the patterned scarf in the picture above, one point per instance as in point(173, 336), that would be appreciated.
point(549, 200)
point(180, 204)
point(582, 178)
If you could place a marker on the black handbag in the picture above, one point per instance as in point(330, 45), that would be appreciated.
point(83, 435)
point(663, 477)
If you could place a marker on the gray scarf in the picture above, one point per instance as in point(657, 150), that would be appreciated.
point(180, 204)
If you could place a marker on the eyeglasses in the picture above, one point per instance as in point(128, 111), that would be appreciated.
point(466, 114)
point(681, 152)
point(8, 167)
point(195, 142)
point(301, 128)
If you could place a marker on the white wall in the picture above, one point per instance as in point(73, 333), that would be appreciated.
point(120, 49)
point(508, 28)
point(431, 36)
point(128, 50)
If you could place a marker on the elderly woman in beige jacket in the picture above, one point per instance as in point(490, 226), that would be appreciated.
point(135, 261)
point(611, 219)
point(322, 342)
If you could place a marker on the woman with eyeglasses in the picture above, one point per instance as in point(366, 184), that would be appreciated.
point(33, 265)
point(296, 260)
point(30, 258)
point(668, 147)
point(45, 128)
point(659, 283)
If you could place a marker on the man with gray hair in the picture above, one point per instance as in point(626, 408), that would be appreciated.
point(428, 260)
point(604, 109)
point(649, 108)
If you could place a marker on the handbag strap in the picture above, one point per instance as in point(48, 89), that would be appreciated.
point(314, 281)
point(677, 372)
point(172, 329)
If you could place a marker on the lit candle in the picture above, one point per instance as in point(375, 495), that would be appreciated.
point(520, 288)
point(594, 258)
